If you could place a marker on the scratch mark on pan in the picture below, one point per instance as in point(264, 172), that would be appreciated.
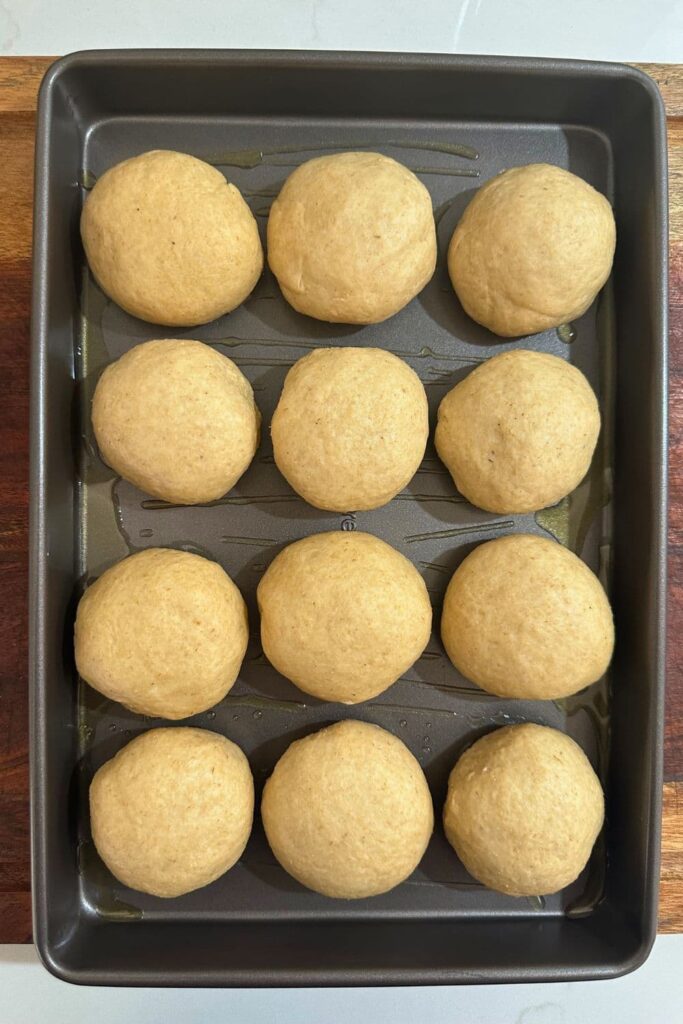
point(437, 567)
point(452, 499)
point(250, 158)
point(155, 504)
point(405, 708)
point(462, 690)
point(426, 352)
point(439, 882)
point(264, 703)
point(448, 171)
point(230, 342)
point(457, 531)
point(256, 542)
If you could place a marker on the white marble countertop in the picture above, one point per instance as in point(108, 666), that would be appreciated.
point(652, 995)
point(636, 30)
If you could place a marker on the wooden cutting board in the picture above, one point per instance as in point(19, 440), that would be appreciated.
point(19, 81)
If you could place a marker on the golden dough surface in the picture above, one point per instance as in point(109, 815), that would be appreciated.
point(523, 810)
point(519, 432)
point(347, 811)
point(343, 615)
point(170, 240)
point(163, 632)
point(350, 428)
point(351, 238)
point(177, 419)
point(173, 810)
point(532, 250)
point(524, 617)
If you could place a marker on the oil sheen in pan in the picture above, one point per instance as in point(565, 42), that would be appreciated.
point(248, 524)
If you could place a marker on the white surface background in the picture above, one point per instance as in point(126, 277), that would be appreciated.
point(653, 995)
point(636, 30)
point(646, 30)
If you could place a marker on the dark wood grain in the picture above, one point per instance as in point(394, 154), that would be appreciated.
point(19, 81)
point(17, 121)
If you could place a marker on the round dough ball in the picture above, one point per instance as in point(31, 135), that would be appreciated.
point(347, 811)
point(170, 240)
point(350, 428)
point(343, 615)
point(523, 810)
point(163, 632)
point(177, 419)
point(524, 617)
point(532, 250)
point(172, 811)
point(519, 432)
point(351, 238)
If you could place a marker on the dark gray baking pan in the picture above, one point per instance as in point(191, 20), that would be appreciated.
point(456, 121)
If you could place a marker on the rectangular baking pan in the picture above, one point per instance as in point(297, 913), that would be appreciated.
point(257, 115)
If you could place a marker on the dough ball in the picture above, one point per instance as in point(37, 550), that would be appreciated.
point(519, 432)
point(172, 811)
point(532, 250)
point(350, 428)
point(524, 617)
point(351, 238)
point(523, 810)
point(177, 419)
point(163, 632)
point(347, 811)
point(170, 240)
point(343, 615)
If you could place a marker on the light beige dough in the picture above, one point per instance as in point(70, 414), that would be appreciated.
point(177, 419)
point(519, 432)
point(173, 810)
point(163, 632)
point(347, 811)
point(351, 238)
point(523, 810)
point(343, 615)
point(170, 240)
point(350, 428)
point(532, 250)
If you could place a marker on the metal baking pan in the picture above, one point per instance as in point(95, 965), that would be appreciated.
point(456, 121)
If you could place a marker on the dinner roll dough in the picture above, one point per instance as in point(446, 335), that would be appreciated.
point(350, 428)
point(532, 250)
point(177, 419)
point(351, 238)
point(343, 615)
point(170, 240)
point(163, 632)
point(524, 617)
point(172, 811)
point(347, 811)
point(523, 810)
point(519, 432)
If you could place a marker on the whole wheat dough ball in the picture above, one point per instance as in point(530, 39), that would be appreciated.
point(524, 617)
point(172, 811)
point(350, 428)
point(163, 632)
point(523, 810)
point(177, 419)
point(532, 250)
point(170, 240)
point(519, 432)
point(343, 615)
point(347, 811)
point(351, 238)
